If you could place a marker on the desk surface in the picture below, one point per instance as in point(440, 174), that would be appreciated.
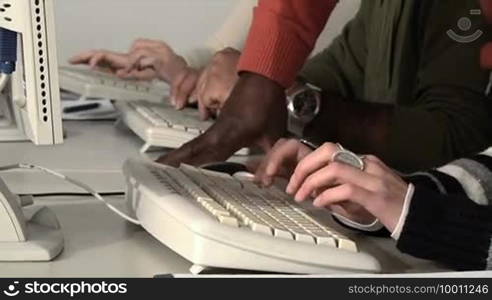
point(97, 242)
point(100, 244)
point(92, 152)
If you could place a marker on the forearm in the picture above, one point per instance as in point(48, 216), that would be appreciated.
point(361, 127)
point(254, 102)
point(450, 215)
point(408, 138)
point(450, 229)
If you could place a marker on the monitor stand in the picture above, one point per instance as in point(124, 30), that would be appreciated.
point(11, 126)
point(28, 232)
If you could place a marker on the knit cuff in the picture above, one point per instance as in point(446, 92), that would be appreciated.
point(449, 229)
point(404, 213)
point(372, 227)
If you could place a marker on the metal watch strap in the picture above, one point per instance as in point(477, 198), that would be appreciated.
point(295, 126)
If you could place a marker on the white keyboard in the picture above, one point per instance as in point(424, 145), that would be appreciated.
point(93, 84)
point(160, 125)
point(215, 220)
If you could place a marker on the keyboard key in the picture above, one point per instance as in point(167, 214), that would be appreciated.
point(197, 176)
point(187, 184)
point(348, 245)
point(326, 241)
point(267, 211)
point(301, 237)
point(221, 179)
point(283, 234)
point(178, 127)
point(256, 227)
point(193, 130)
point(216, 209)
point(228, 220)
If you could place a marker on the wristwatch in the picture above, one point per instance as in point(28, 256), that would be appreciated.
point(303, 104)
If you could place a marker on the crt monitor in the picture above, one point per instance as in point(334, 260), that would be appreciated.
point(30, 110)
point(30, 96)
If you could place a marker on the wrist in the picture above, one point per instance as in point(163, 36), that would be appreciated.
point(303, 104)
point(251, 92)
point(255, 111)
point(324, 125)
point(261, 81)
point(392, 211)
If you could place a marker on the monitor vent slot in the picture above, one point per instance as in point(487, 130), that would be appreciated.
point(41, 57)
point(4, 10)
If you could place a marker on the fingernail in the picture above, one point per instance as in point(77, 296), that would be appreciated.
point(270, 170)
point(289, 190)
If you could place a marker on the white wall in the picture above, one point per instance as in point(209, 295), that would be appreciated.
point(113, 24)
point(343, 13)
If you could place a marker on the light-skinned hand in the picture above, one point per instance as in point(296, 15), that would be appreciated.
point(378, 189)
point(281, 161)
point(217, 81)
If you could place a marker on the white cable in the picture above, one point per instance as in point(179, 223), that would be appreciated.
point(74, 182)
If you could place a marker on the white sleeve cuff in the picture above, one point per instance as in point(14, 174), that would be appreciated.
point(404, 213)
point(199, 57)
point(373, 227)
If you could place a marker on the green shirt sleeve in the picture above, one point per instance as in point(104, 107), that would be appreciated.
point(340, 67)
point(443, 112)
point(451, 115)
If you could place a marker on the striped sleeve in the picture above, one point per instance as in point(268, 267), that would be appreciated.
point(448, 229)
point(468, 177)
point(450, 215)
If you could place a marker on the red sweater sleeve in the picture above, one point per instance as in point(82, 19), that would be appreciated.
point(486, 59)
point(282, 36)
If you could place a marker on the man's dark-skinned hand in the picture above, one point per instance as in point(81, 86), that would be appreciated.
point(254, 114)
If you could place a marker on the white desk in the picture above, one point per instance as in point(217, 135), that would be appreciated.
point(97, 242)
point(92, 152)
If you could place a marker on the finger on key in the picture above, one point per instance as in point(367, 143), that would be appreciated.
point(335, 174)
point(311, 163)
point(268, 162)
point(82, 58)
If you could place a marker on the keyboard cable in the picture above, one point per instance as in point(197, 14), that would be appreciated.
point(75, 182)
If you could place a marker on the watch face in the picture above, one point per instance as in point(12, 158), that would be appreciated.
point(305, 105)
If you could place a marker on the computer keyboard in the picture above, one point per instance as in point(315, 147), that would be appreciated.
point(216, 220)
point(161, 125)
point(94, 84)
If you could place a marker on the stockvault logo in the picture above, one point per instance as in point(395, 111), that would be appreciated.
point(12, 290)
